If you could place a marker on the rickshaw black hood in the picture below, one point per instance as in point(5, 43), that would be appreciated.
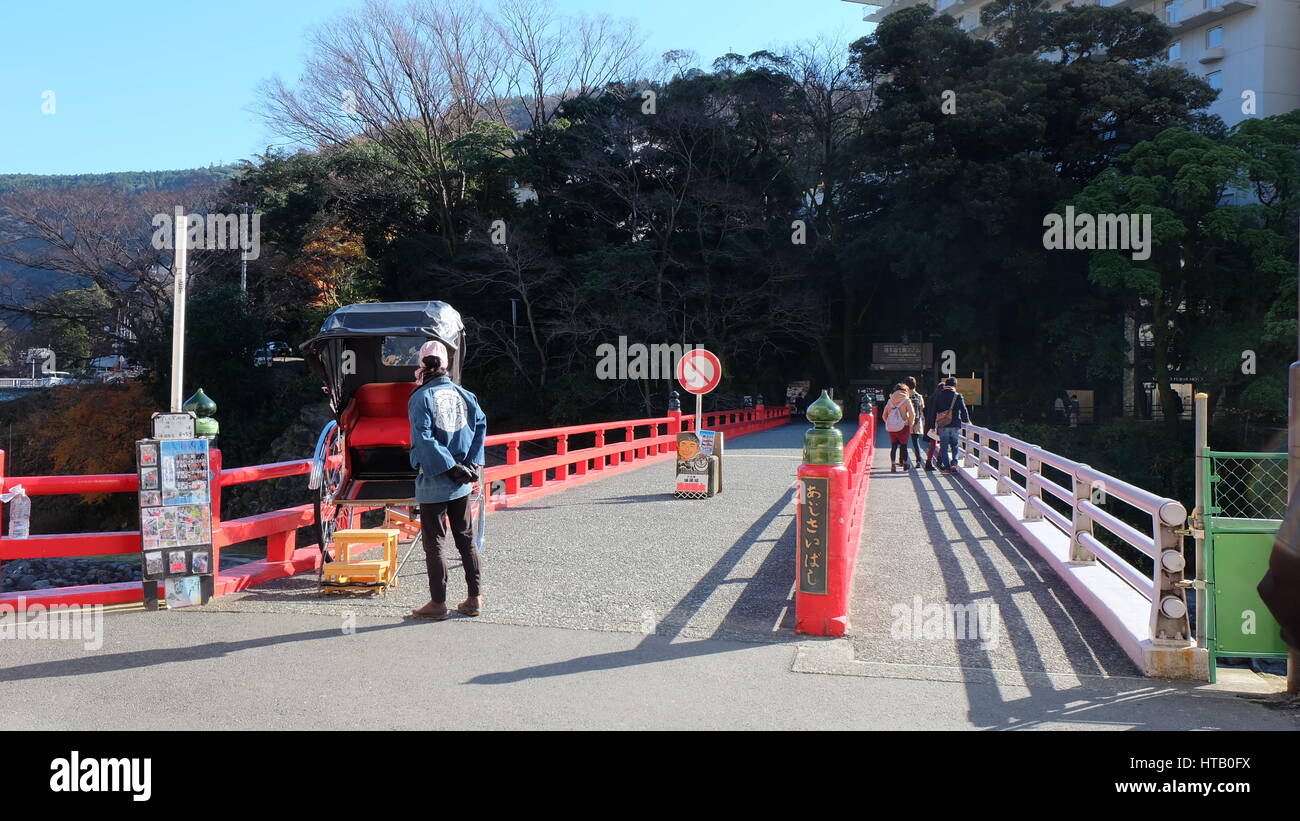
point(368, 321)
point(436, 320)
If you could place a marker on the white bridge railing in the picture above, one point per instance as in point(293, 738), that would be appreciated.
point(1145, 612)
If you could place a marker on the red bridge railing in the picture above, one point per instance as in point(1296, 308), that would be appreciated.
point(642, 441)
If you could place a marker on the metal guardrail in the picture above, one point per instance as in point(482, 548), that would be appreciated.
point(1086, 491)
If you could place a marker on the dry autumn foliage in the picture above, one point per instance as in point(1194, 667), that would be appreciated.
point(92, 429)
point(330, 261)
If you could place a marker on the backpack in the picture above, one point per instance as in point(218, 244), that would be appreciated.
point(894, 421)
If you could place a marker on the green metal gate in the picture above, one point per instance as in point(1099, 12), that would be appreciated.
point(1243, 500)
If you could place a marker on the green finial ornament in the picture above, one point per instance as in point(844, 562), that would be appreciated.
point(202, 406)
point(823, 445)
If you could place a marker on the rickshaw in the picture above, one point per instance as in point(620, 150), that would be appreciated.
point(366, 355)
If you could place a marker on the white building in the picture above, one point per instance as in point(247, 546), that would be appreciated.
point(1248, 49)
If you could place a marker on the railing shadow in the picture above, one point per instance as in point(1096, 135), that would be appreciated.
point(759, 604)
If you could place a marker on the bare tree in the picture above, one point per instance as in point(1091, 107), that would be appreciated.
point(96, 237)
point(417, 79)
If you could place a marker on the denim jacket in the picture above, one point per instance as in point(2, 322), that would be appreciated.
point(447, 428)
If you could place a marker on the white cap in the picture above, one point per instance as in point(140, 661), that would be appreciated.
point(432, 348)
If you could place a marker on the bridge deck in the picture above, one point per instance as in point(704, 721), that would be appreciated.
point(620, 554)
point(927, 535)
point(686, 610)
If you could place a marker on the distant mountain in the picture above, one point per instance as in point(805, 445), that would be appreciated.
point(34, 284)
point(126, 181)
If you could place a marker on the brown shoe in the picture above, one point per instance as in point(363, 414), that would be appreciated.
point(470, 607)
point(433, 611)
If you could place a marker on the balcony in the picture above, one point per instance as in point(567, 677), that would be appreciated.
point(1193, 14)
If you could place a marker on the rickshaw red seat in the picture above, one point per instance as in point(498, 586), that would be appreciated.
point(376, 416)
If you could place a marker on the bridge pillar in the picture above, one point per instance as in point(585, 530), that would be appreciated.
point(1082, 522)
point(1033, 488)
point(984, 471)
point(1004, 470)
point(970, 458)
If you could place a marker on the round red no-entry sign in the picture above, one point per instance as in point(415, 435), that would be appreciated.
point(699, 371)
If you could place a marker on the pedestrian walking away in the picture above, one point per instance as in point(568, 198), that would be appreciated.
point(918, 405)
point(932, 432)
point(949, 415)
point(447, 433)
point(900, 416)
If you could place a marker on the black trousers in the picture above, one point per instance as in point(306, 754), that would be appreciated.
point(916, 445)
point(434, 530)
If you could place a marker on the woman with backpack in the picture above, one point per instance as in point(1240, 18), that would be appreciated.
point(899, 415)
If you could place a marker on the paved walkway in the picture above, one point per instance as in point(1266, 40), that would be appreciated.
point(619, 554)
point(612, 605)
point(927, 539)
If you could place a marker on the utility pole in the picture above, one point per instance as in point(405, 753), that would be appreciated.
point(178, 314)
point(243, 260)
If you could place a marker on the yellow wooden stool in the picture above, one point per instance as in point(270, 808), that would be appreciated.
point(347, 574)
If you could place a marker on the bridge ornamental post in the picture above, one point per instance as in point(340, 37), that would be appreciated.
point(674, 421)
point(984, 470)
point(1082, 521)
point(971, 455)
point(1004, 469)
point(214, 499)
point(512, 458)
point(562, 448)
point(1033, 488)
point(823, 557)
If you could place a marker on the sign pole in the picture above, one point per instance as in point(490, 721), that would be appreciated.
point(699, 417)
point(178, 314)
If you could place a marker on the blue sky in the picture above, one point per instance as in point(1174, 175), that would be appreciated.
point(142, 86)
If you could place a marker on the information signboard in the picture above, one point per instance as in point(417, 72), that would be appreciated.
point(902, 356)
point(175, 520)
point(173, 425)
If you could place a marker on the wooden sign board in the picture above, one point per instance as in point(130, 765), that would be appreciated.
point(972, 390)
point(814, 527)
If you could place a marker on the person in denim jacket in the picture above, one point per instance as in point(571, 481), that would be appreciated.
point(447, 432)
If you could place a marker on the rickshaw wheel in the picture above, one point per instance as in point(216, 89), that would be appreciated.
point(329, 518)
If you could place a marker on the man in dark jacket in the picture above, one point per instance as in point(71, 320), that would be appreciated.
point(929, 425)
point(448, 429)
point(949, 401)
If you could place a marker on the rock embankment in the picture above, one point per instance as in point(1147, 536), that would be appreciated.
point(41, 574)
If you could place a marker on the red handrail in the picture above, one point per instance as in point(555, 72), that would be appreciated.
point(279, 527)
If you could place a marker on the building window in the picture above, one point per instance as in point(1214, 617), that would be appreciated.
point(1175, 50)
point(1214, 37)
point(1215, 79)
point(1171, 12)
